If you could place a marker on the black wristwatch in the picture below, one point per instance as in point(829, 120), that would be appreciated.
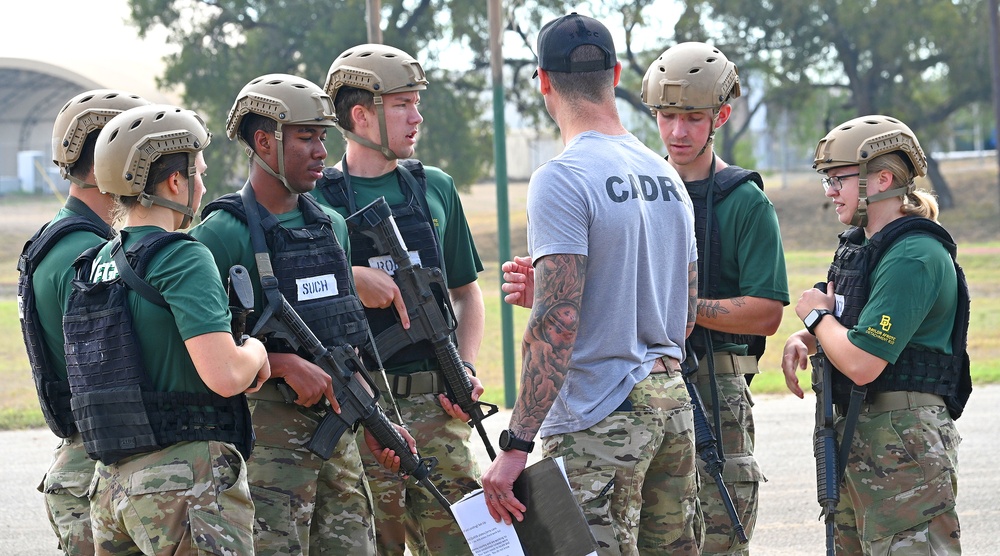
point(813, 318)
point(509, 441)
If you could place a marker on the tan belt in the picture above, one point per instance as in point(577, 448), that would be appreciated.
point(893, 401)
point(663, 364)
point(729, 363)
point(426, 382)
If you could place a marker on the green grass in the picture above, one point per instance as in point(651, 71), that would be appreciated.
point(19, 404)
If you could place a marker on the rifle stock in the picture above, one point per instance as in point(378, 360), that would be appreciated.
point(429, 321)
point(705, 443)
point(240, 301)
point(356, 394)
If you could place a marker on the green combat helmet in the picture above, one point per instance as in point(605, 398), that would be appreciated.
point(132, 141)
point(82, 115)
point(858, 142)
point(286, 99)
point(690, 77)
point(380, 70)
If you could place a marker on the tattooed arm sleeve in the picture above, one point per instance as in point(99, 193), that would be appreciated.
point(549, 338)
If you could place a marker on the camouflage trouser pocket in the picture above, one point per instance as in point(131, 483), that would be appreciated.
point(214, 534)
point(273, 527)
point(885, 518)
point(593, 488)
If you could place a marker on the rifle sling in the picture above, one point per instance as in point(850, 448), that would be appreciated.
point(850, 423)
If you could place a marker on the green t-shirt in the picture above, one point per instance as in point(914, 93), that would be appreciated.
point(52, 284)
point(752, 258)
point(228, 239)
point(914, 296)
point(185, 275)
point(461, 260)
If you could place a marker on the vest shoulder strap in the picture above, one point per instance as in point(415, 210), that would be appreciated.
point(132, 263)
point(731, 176)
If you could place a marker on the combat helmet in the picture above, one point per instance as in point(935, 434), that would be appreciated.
point(858, 142)
point(380, 70)
point(132, 141)
point(286, 99)
point(82, 115)
point(690, 77)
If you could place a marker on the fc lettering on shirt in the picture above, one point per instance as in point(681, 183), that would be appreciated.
point(647, 188)
point(316, 287)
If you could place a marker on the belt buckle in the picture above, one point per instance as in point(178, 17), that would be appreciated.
point(395, 385)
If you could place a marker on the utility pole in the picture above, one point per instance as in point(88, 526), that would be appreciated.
point(995, 58)
point(374, 18)
point(503, 210)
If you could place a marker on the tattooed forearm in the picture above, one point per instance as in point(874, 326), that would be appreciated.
point(549, 338)
point(711, 308)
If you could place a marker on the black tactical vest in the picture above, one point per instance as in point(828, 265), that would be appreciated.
point(414, 222)
point(916, 369)
point(53, 392)
point(115, 407)
point(305, 261)
point(709, 267)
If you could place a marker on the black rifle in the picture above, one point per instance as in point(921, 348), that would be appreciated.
point(705, 442)
point(428, 319)
point(356, 393)
point(825, 445)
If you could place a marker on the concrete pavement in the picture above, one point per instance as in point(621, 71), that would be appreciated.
point(787, 524)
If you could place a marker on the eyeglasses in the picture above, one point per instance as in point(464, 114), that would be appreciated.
point(835, 183)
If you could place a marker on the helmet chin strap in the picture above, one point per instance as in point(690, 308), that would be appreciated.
point(711, 135)
point(148, 200)
point(383, 133)
point(280, 174)
point(860, 217)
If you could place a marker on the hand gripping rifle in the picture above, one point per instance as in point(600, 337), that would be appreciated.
point(705, 443)
point(429, 320)
point(356, 393)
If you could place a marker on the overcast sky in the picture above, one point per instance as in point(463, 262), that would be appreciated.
point(90, 37)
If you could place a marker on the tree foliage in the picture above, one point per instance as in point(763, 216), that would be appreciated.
point(917, 60)
point(223, 44)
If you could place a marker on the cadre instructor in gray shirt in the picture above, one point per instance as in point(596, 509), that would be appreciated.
point(611, 233)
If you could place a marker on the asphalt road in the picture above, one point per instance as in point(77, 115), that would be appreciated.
point(787, 524)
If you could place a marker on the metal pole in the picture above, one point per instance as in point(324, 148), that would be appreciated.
point(995, 58)
point(374, 13)
point(503, 210)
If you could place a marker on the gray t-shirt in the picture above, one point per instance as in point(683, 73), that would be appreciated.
point(620, 204)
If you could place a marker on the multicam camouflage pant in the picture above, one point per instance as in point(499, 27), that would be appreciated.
point(741, 474)
point(65, 487)
point(305, 505)
point(405, 513)
point(188, 498)
point(902, 477)
point(634, 473)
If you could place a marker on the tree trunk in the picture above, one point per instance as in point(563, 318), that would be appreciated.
point(940, 185)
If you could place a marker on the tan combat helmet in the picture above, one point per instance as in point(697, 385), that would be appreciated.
point(82, 115)
point(286, 99)
point(859, 141)
point(380, 70)
point(690, 77)
point(132, 141)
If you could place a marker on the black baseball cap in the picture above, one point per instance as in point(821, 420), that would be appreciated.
point(560, 37)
